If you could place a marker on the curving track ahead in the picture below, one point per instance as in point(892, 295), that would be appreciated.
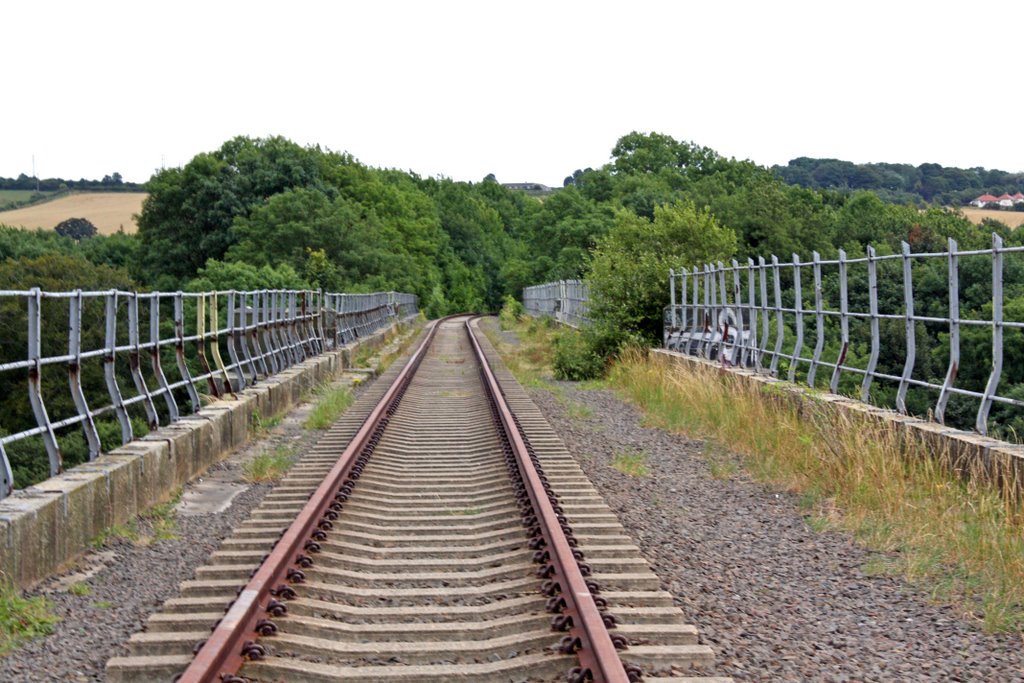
point(453, 539)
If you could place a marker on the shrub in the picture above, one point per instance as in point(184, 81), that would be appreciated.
point(575, 358)
point(510, 313)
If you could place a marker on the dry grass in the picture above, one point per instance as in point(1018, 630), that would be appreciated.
point(955, 536)
point(108, 211)
point(1014, 219)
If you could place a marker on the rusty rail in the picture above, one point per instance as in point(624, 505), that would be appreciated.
point(571, 593)
point(234, 638)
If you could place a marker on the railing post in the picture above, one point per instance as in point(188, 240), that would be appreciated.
point(109, 358)
point(154, 357)
point(211, 379)
point(35, 374)
point(92, 437)
point(6, 475)
point(981, 424)
point(693, 346)
point(844, 324)
point(672, 297)
point(724, 294)
point(780, 329)
point(737, 302)
point(752, 316)
point(682, 304)
point(765, 308)
point(234, 340)
point(908, 315)
point(135, 361)
point(865, 387)
point(954, 333)
point(710, 314)
point(798, 345)
point(179, 351)
point(819, 321)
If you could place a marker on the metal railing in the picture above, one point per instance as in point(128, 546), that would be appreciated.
point(567, 301)
point(196, 343)
point(894, 318)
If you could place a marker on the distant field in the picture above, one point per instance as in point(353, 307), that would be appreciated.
point(108, 211)
point(15, 195)
point(1014, 219)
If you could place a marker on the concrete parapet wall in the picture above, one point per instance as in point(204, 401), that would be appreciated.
point(970, 453)
point(46, 526)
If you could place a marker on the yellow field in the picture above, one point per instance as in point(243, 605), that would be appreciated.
point(108, 211)
point(1014, 219)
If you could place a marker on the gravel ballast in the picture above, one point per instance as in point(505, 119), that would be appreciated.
point(777, 600)
point(126, 582)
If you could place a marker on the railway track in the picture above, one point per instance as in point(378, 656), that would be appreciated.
point(453, 539)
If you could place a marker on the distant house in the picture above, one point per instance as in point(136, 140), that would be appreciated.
point(527, 187)
point(1005, 200)
point(1018, 198)
point(983, 200)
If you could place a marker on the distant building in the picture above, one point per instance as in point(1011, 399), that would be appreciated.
point(983, 200)
point(528, 187)
point(1018, 198)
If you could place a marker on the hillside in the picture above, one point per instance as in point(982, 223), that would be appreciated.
point(108, 211)
point(925, 183)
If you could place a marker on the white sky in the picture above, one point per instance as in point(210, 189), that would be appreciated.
point(527, 90)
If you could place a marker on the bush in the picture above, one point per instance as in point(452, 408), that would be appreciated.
point(575, 357)
point(510, 313)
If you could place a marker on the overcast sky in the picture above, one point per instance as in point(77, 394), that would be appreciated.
point(528, 91)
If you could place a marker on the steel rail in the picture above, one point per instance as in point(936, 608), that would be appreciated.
point(233, 639)
point(593, 645)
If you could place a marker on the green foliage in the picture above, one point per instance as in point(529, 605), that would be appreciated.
point(270, 466)
point(511, 311)
point(77, 229)
point(22, 618)
point(574, 358)
point(629, 269)
point(244, 276)
point(187, 217)
point(332, 403)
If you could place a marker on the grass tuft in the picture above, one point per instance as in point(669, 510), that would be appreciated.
point(632, 463)
point(268, 467)
point(330, 406)
point(261, 425)
point(80, 589)
point(948, 531)
point(22, 618)
point(128, 532)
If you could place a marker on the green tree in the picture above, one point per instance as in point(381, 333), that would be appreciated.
point(188, 214)
point(77, 229)
point(629, 269)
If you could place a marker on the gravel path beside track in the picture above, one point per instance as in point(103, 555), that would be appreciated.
point(775, 599)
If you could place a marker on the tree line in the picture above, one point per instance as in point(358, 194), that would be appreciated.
point(109, 183)
point(902, 183)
